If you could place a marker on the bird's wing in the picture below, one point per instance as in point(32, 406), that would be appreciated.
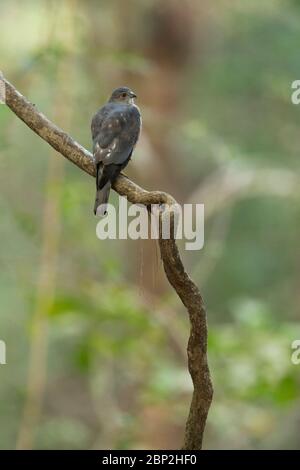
point(115, 134)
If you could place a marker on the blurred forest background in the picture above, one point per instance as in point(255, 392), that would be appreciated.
point(96, 338)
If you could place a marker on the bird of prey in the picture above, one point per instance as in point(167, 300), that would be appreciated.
point(115, 131)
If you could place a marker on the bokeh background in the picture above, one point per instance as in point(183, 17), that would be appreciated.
point(96, 338)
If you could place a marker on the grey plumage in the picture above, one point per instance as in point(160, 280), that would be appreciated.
point(115, 131)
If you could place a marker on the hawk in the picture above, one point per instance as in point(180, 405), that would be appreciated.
point(115, 132)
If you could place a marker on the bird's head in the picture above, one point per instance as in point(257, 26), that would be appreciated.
point(123, 95)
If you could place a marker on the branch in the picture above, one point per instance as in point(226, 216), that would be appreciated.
point(173, 266)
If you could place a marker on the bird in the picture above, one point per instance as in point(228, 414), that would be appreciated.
point(115, 130)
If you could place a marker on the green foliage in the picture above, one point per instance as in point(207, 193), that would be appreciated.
point(116, 365)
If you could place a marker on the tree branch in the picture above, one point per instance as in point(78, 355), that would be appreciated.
point(173, 266)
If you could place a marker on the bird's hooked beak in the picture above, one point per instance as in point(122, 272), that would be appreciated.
point(132, 96)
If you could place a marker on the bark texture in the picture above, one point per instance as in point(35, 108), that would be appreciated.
point(185, 288)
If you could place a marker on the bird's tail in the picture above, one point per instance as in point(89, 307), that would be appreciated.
point(101, 200)
point(102, 193)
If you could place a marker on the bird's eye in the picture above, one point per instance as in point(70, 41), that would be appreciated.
point(124, 95)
